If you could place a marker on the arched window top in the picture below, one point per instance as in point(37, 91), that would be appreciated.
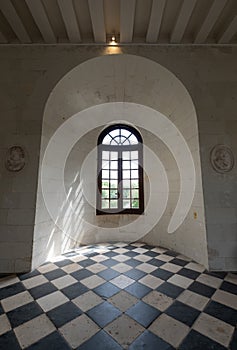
point(120, 135)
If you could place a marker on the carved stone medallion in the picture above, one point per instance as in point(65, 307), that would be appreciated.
point(222, 159)
point(15, 158)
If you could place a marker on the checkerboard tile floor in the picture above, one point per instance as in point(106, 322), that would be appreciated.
point(119, 296)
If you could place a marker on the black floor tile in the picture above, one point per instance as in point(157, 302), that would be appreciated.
point(131, 254)
point(75, 290)
point(218, 274)
point(106, 290)
point(163, 274)
point(147, 246)
point(133, 262)
point(103, 314)
point(130, 247)
point(111, 254)
point(156, 262)
point(233, 343)
point(81, 274)
point(189, 273)
point(170, 289)
point(100, 341)
point(143, 313)
point(53, 341)
point(149, 341)
point(109, 262)
point(108, 274)
point(52, 275)
point(70, 254)
point(11, 290)
point(202, 289)
point(8, 341)
point(171, 253)
point(24, 313)
point(197, 341)
point(229, 287)
point(63, 263)
point(29, 275)
point(42, 290)
point(183, 313)
point(222, 312)
point(138, 290)
point(1, 310)
point(87, 262)
point(135, 274)
point(151, 254)
point(179, 262)
point(64, 313)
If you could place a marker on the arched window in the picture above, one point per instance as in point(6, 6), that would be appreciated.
point(120, 171)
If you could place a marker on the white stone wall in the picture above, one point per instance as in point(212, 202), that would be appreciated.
point(28, 75)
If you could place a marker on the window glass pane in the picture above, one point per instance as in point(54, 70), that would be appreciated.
point(113, 174)
point(126, 193)
point(135, 193)
point(125, 132)
point(133, 139)
point(134, 183)
point(105, 155)
point(113, 155)
point(135, 203)
point(114, 133)
point(114, 194)
point(126, 204)
point(134, 174)
point(134, 164)
point(105, 204)
point(122, 139)
point(113, 204)
point(126, 164)
point(114, 165)
point(105, 194)
point(106, 140)
point(126, 155)
point(105, 184)
point(126, 142)
point(105, 164)
point(134, 155)
point(126, 183)
point(114, 142)
point(113, 184)
point(126, 174)
point(105, 174)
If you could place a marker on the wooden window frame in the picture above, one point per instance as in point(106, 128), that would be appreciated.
point(120, 148)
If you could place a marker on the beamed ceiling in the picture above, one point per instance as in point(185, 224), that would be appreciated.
point(132, 21)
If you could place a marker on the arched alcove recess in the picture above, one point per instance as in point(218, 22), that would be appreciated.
point(115, 88)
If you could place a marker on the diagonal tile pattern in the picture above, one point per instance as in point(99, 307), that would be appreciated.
point(119, 296)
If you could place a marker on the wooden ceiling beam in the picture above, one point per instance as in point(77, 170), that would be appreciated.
point(182, 20)
point(97, 19)
point(229, 32)
point(70, 20)
point(127, 15)
point(41, 19)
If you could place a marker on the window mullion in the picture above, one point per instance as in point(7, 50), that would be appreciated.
point(120, 187)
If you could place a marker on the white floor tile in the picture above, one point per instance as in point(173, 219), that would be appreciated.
point(151, 281)
point(50, 301)
point(195, 267)
point(96, 268)
point(72, 268)
point(158, 300)
point(8, 281)
point(225, 298)
point(34, 281)
point(231, 277)
point(87, 301)
point(4, 324)
point(124, 330)
point(146, 267)
point(121, 267)
point(171, 267)
point(209, 280)
point(79, 330)
point(122, 281)
point(180, 281)
point(99, 258)
point(30, 332)
point(47, 268)
point(16, 301)
point(123, 300)
point(197, 301)
point(64, 281)
point(92, 281)
point(214, 328)
point(121, 258)
point(143, 258)
point(169, 329)
point(164, 257)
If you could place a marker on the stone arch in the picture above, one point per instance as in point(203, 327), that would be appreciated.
point(116, 88)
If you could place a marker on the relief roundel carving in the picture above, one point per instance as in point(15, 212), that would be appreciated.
point(222, 159)
point(15, 158)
